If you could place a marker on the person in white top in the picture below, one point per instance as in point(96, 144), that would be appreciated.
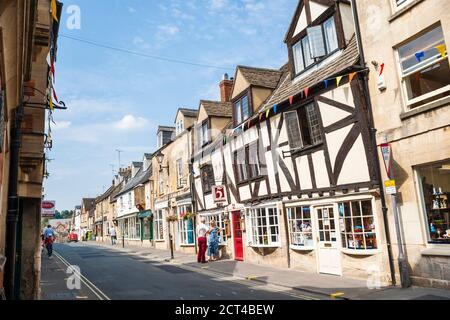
point(112, 232)
point(202, 230)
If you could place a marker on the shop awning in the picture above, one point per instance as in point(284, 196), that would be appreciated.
point(145, 214)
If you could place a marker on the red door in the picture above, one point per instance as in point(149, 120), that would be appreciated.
point(237, 235)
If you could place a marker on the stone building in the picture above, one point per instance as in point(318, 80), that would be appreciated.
point(405, 46)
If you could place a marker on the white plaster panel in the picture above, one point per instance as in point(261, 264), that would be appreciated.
point(209, 202)
point(335, 140)
point(355, 168)
point(271, 173)
point(316, 9)
point(265, 135)
point(331, 114)
point(302, 23)
point(245, 193)
point(262, 189)
point(320, 170)
point(217, 163)
point(342, 94)
point(304, 173)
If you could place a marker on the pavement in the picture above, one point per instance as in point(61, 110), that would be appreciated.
point(241, 279)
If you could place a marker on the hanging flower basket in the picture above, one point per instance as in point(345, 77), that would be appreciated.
point(172, 218)
point(188, 216)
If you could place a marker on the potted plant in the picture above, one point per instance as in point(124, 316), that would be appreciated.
point(172, 218)
point(188, 216)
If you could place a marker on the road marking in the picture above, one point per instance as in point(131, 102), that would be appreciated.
point(99, 293)
point(337, 294)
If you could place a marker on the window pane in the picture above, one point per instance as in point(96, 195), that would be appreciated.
point(245, 109)
point(313, 123)
point(421, 50)
point(237, 112)
point(298, 57)
point(293, 129)
point(306, 52)
point(329, 28)
point(316, 43)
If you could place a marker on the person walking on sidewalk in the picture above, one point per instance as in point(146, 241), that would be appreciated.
point(202, 230)
point(49, 238)
point(113, 234)
point(213, 244)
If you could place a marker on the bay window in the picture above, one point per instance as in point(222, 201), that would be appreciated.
point(300, 227)
point(424, 67)
point(303, 127)
point(320, 41)
point(357, 225)
point(264, 227)
point(185, 225)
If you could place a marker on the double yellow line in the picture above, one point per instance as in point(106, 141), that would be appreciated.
point(99, 293)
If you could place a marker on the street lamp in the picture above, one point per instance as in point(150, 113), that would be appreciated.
point(160, 159)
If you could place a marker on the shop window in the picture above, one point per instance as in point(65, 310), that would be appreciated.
point(185, 225)
point(264, 225)
point(159, 225)
point(357, 225)
point(303, 127)
point(435, 188)
point(220, 224)
point(300, 227)
point(425, 68)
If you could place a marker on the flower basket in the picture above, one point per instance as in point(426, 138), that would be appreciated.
point(172, 218)
point(188, 216)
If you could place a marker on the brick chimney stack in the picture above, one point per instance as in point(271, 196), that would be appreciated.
point(226, 86)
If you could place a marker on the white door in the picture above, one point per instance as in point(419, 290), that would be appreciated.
point(329, 255)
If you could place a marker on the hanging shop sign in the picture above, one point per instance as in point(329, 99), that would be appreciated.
point(219, 194)
point(386, 152)
point(48, 209)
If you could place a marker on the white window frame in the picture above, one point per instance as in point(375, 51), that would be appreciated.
point(158, 223)
point(220, 224)
point(182, 226)
point(179, 166)
point(423, 65)
point(294, 220)
point(253, 234)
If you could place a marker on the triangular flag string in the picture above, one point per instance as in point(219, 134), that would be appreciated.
point(326, 84)
point(442, 50)
point(291, 100)
point(306, 90)
point(275, 109)
point(338, 80)
point(54, 10)
point(351, 76)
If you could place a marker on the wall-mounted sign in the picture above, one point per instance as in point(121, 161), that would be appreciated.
point(219, 194)
point(390, 186)
point(386, 151)
point(48, 209)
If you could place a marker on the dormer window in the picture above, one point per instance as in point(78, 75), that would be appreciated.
point(241, 110)
point(179, 127)
point(320, 41)
point(203, 134)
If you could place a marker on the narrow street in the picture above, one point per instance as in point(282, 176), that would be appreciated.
point(108, 274)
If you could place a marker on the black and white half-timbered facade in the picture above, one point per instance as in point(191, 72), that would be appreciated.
point(292, 180)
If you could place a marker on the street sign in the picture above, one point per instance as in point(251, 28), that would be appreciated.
point(390, 186)
point(48, 209)
point(219, 194)
point(386, 151)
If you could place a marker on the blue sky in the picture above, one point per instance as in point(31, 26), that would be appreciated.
point(117, 100)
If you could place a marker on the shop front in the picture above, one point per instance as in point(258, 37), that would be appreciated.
point(130, 228)
point(222, 221)
point(146, 224)
point(161, 225)
point(185, 228)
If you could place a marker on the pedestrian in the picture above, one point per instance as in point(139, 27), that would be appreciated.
point(112, 232)
point(202, 230)
point(49, 238)
point(213, 243)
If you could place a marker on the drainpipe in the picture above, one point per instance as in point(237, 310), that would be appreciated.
point(12, 284)
point(373, 132)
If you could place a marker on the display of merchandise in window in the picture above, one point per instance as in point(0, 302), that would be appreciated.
point(186, 224)
point(218, 218)
point(357, 225)
point(435, 182)
point(159, 225)
point(300, 227)
point(265, 230)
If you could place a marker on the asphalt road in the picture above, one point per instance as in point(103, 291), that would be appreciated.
point(116, 275)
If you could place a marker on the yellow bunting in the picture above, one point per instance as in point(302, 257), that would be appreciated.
point(51, 103)
point(260, 116)
point(442, 50)
point(54, 10)
point(267, 113)
point(351, 76)
point(338, 80)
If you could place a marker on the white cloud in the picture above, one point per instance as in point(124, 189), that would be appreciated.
point(62, 125)
point(131, 10)
point(169, 29)
point(218, 4)
point(130, 122)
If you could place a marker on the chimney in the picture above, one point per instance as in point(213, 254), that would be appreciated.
point(226, 86)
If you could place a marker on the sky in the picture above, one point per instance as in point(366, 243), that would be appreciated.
point(116, 100)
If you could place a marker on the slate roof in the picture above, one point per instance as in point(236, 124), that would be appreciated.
point(217, 108)
point(165, 128)
point(192, 113)
point(267, 78)
point(288, 88)
point(140, 177)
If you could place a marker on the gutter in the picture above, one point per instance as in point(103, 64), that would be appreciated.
point(373, 132)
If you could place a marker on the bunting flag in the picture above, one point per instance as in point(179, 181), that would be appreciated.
point(382, 69)
point(260, 116)
point(51, 103)
point(420, 55)
point(54, 10)
point(442, 50)
point(249, 123)
point(267, 113)
point(306, 90)
point(275, 108)
point(52, 68)
point(49, 59)
point(291, 100)
point(338, 80)
point(326, 84)
point(54, 95)
point(351, 76)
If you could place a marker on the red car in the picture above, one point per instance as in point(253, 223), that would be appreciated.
point(73, 237)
